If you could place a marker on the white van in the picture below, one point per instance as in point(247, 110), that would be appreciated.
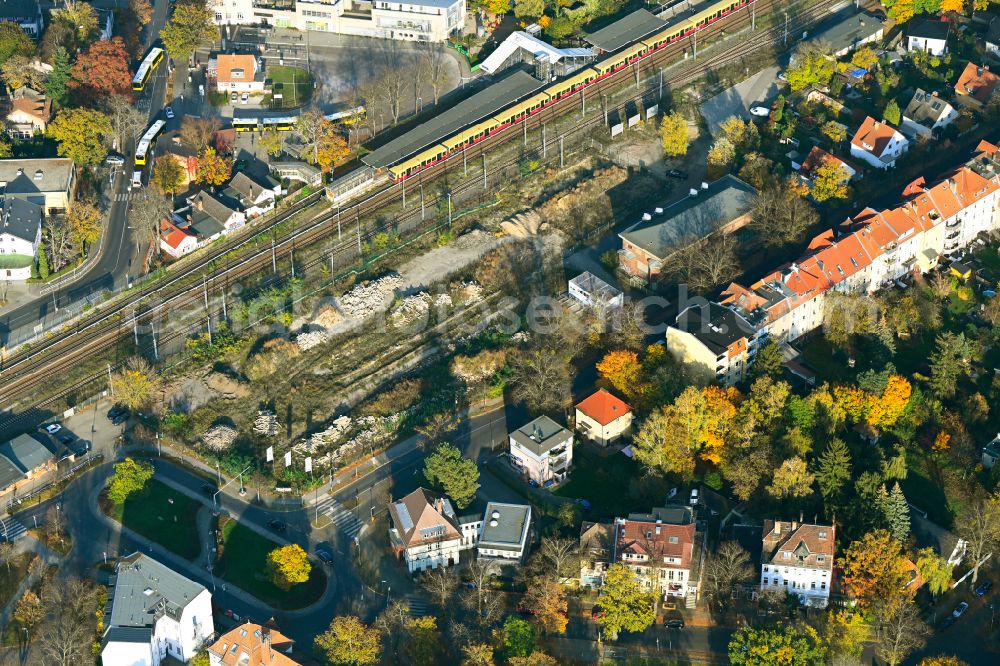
point(136, 180)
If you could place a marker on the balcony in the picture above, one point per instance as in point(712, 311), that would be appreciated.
point(951, 224)
point(559, 465)
point(953, 236)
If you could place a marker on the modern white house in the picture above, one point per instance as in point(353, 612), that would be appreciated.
point(542, 450)
point(603, 418)
point(20, 234)
point(505, 532)
point(153, 613)
point(798, 558)
point(925, 114)
point(878, 143)
point(593, 292)
point(413, 20)
point(928, 35)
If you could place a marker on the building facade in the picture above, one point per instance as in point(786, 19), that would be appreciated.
point(597, 553)
point(926, 114)
point(416, 20)
point(878, 143)
point(714, 343)
point(542, 450)
point(48, 182)
point(20, 235)
point(27, 14)
point(603, 418)
point(797, 558)
point(504, 533)
point(153, 613)
point(426, 531)
point(252, 644)
point(659, 548)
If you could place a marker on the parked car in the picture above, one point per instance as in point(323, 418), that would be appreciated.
point(114, 160)
point(984, 588)
point(325, 556)
point(245, 98)
point(674, 624)
point(959, 609)
point(678, 174)
point(53, 428)
point(277, 525)
point(234, 96)
point(168, 112)
point(115, 411)
point(121, 418)
point(760, 111)
point(694, 497)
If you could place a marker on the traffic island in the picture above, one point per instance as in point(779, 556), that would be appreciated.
point(242, 560)
point(160, 514)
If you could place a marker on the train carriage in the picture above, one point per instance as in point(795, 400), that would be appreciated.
point(421, 160)
point(520, 110)
point(569, 86)
point(668, 36)
point(470, 136)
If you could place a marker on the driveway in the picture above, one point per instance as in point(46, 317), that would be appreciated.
point(759, 89)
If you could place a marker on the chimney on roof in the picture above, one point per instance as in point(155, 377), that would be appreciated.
point(704, 185)
point(198, 204)
point(934, 94)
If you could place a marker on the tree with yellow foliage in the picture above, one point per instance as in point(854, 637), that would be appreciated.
point(952, 6)
point(288, 565)
point(942, 660)
point(942, 442)
point(853, 401)
point(212, 169)
point(546, 599)
point(830, 182)
point(721, 410)
point(886, 409)
point(674, 134)
point(331, 147)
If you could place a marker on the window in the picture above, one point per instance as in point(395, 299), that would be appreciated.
point(765, 568)
point(785, 555)
point(649, 535)
point(812, 585)
point(822, 585)
point(786, 583)
point(822, 534)
point(821, 558)
point(765, 581)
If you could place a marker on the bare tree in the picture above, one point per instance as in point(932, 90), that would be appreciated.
point(70, 626)
point(393, 79)
point(54, 524)
point(433, 66)
point(6, 553)
point(781, 216)
point(146, 210)
point(979, 525)
point(392, 623)
point(629, 327)
point(482, 599)
point(441, 584)
point(197, 133)
point(309, 125)
point(728, 567)
point(899, 631)
point(558, 558)
point(706, 264)
point(60, 243)
point(542, 379)
point(127, 122)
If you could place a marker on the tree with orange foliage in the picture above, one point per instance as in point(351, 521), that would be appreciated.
point(941, 442)
point(213, 169)
point(546, 599)
point(942, 660)
point(953, 6)
point(720, 412)
point(885, 410)
point(331, 147)
point(621, 369)
point(102, 70)
point(874, 569)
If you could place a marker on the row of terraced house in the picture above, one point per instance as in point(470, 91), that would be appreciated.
point(933, 222)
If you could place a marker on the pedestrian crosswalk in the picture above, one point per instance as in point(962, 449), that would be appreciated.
point(11, 530)
point(345, 521)
point(123, 196)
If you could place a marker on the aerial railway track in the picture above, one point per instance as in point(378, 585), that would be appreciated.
point(26, 371)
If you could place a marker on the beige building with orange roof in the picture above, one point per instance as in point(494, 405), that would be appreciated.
point(603, 418)
point(252, 644)
point(237, 73)
point(427, 533)
point(975, 85)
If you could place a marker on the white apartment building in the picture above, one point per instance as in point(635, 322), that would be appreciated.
point(416, 20)
point(154, 613)
point(542, 450)
point(874, 248)
point(798, 558)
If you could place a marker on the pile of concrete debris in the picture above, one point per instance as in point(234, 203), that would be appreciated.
point(219, 438)
point(266, 423)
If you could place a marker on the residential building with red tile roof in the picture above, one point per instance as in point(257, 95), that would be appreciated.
point(878, 144)
point(874, 248)
point(797, 558)
point(175, 241)
point(603, 418)
point(818, 157)
point(660, 548)
point(252, 644)
point(236, 73)
point(975, 85)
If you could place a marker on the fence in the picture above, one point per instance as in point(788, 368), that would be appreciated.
point(35, 492)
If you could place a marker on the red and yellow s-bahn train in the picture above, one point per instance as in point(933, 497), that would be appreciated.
point(463, 138)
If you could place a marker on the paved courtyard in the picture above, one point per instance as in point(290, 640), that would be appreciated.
point(759, 89)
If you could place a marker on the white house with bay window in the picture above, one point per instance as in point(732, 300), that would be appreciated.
point(798, 558)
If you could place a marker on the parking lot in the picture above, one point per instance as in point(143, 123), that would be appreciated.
point(760, 89)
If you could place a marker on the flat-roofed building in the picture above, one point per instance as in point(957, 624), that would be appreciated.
point(505, 532)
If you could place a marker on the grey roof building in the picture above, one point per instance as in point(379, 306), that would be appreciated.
point(244, 187)
point(505, 530)
point(849, 30)
point(927, 29)
point(715, 326)
point(21, 218)
point(708, 210)
point(540, 435)
point(9, 473)
point(48, 182)
point(143, 589)
point(26, 13)
point(626, 30)
point(26, 454)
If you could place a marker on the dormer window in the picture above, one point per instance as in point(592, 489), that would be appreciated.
point(673, 539)
point(821, 558)
point(236, 73)
point(822, 534)
point(785, 555)
point(38, 175)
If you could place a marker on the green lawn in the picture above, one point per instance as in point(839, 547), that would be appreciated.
point(163, 515)
point(295, 85)
point(244, 563)
point(610, 483)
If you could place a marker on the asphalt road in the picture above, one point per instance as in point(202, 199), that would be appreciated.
point(119, 259)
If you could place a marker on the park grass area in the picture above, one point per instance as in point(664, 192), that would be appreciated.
point(294, 84)
point(605, 481)
point(163, 515)
point(244, 563)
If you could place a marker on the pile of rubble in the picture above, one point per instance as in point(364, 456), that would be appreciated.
point(266, 423)
point(310, 339)
point(359, 303)
point(320, 440)
point(219, 438)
